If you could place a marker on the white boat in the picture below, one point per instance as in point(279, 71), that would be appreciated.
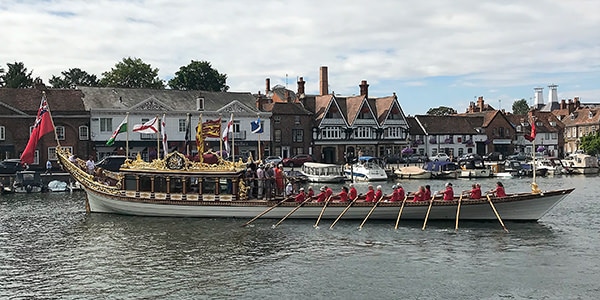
point(474, 168)
point(58, 186)
point(318, 172)
point(367, 168)
point(442, 169)
point(412, 172)
point(582, 163)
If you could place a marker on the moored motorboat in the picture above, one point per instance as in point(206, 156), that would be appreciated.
point(177, 187)
point(582, 163)
point(326, 173)
point(442, 169)
point(28, 182)
point(412, 172)
point(473, 168)
point(367, 168)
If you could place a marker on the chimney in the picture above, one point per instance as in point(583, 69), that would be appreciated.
point(39, 84)
point(538, 98)
point(552, 95)
point(287, 95)
point(267, 86)
point(563, 104)
point(480, 103)
point(323, 82)
point(364, 89)
point(577, 103)
point(571, 106)
point(301, 83)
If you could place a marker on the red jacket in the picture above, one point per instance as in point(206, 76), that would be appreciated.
point(353, 193)
point(475, 193)
point(300, 197)
point(370, 195)
point(321, 197)
point(378, 195)
point(499, 191)
point(448, 193)
point(343, 196)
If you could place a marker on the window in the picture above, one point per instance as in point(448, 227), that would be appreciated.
point(298, 150)
point(181, 125)
point(519, 128)
point(60, 132)
point(365, 112)
point(84, 133)
point(147, 136)
point(461, 151)
point(297, 120)
point(330, 133)
point(394, 132)
point(200, 103)
point(106, 124)
point(277, 135)
point(36, 157)
point(501, 131)
point(2, 133)
point(276, 119)
point(297, 136)
point(236, 126)
point(363, 132)
point(52, 152)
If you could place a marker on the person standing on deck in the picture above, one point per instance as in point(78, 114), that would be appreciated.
point(289, 189)
point(499, 190)
point(250, 179)
point(370, 196)
point(90, 165)
point(353, 193)
point(269, 181)
point(279, 179)
point(448, 192)
point(260, 177)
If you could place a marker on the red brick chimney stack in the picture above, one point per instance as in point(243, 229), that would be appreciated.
point(323, 82)
point(480, 103)
point(267, 86)
point(563, 104)
point(364, 89)
point(301, 83)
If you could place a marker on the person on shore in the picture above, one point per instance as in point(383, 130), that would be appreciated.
point(352, 193)
point(427, 194)
point(300, 197)
point(499, 190)
point(48, 167)
point(343, 194)
point(419, 195)
point(475, 192)
point(321, 197)
point(448, 192)
point(378, 194)
point(370, 196)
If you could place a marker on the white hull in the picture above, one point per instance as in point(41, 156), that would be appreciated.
point(475, 173)
point(326, 179)
point(360, 173)
point(585, 170)
point(523, 207)
point(408, 175)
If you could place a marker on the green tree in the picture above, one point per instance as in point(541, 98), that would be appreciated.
point(73, 77)
point(591, 143)
point(441, 111)
point(199, 75)
point(520, 107)
point(132, 73)
point(16, 76)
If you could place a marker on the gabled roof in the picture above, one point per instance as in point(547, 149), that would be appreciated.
point(383, 106)
point(583, 116)
point(354, 105)
point(321, 105)
point(451, 124)
point(414, 126)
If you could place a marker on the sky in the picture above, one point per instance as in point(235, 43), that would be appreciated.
point(430, 52)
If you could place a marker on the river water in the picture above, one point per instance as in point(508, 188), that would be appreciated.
point(51, 249)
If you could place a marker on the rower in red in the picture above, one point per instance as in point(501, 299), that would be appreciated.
point(353, 193)
point(448, 192)
point(499, 190)
point(370, 194)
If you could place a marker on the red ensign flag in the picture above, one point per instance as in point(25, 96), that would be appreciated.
point(43, 124)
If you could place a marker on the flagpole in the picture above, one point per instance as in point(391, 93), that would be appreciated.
point(127, 136)
point(534, 149)
point(157, 141)
point(51, 119)
point(220, 138)
point(259, 157)
point(188, 133)
point(200, 139)
point(232, 139)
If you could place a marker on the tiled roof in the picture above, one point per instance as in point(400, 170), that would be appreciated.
point(382, 106)
point(353, 105)
point(583, 116)
point(320, 106)
point(452, 124)
point(60, 101)
point(414, 127)
point(283, 108)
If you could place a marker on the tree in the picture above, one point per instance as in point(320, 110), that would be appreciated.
point(132, 73)
point(16, 76)
point(591, 143)
point(441, 111)
point(199, 75)
point(72, 78)
point(520, 107)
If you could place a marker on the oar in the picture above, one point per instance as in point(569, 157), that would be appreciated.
point(400, 213)
point(322, 211)
point(292, 211)
point(266, 211)
point(370, 212)
point(496, 212)
point(343, 212)
point(428, 210)
point(458, 211)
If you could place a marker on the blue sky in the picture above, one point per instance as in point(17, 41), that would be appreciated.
point(430, 53)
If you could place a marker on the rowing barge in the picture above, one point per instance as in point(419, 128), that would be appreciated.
point(177, 187)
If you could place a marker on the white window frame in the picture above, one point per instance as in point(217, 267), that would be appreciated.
point(182, 125)
point(60, 132)
point(84, 133)
point(2, 133)
point(330, 132)
point(106, 125)
point(363, 132)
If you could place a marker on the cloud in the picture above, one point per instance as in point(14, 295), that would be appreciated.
point(472, 43)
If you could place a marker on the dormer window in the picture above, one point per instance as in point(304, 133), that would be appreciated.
point(590, 114)
point(553, 124)
point(572, 116)
point(519, 128)
point(200, 103)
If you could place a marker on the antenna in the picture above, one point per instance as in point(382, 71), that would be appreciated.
point(286, 80)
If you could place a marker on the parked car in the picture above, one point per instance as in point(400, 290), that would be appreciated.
point(275, 160)
point(470, 156)
point(11, 166)
point(493, 156)
point(416, 158)
point(519, 156)
point(112, 163)
point(394, 159)
point(440, 157)
point(297, 160)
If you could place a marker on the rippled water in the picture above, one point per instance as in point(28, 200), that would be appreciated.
point(50, 248)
